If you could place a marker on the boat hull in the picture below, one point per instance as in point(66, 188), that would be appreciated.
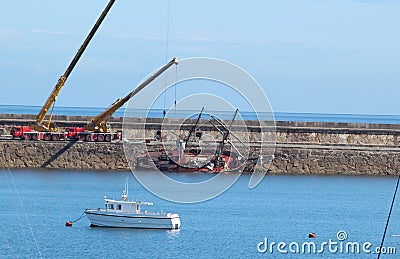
point(100, 218)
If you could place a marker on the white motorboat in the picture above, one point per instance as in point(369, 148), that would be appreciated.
point(128, 214)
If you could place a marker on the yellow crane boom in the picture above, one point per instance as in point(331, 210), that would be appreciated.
point(99, 123)
point(39, 125)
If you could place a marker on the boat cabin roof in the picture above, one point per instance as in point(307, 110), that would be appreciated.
point(106, 200)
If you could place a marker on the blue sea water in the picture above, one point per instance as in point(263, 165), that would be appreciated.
point(279, 116)
point(236, 224)
point(36, 205)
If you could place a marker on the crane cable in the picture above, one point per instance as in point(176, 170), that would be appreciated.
point(51, 113)
point(166, 53)
point(388, 219)
point(176, 79)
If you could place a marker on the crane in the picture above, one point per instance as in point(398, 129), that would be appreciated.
point(98, 125)
point(193, 128)
point(39, 124)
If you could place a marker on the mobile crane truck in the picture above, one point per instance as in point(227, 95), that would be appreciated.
point(48, 130)
point(98, 129)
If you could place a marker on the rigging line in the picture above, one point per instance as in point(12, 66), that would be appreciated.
point(166, 52)
point(5, 241)
point(176, 79)
point(15, 191)
point(24, 212)
point(13, 195)
point(80, 217)
point(388, 219)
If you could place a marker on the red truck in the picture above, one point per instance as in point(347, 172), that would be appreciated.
point(25, 132)
point(19, 131)
point(71, 133)
point(79, 133)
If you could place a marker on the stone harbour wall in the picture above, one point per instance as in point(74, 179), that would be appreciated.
point(62, 155)
point(306, 160)
point(302, 148)
point(288, 159)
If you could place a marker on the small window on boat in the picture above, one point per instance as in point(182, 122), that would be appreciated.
point(111, 206)
point(119, 207)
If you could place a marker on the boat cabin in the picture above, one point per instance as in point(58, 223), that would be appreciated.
point(124, 206)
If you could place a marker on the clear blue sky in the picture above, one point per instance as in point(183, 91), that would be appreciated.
point(323, 56)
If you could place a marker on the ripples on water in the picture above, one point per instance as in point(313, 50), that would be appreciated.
point(36, 205)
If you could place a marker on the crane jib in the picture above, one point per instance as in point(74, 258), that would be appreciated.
point(97, 121)
point(53, 95)
point(88, 39)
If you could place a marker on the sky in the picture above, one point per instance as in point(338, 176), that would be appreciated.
point(317, 56)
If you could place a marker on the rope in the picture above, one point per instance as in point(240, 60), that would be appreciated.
point(166, 53)
point(5, 240)
point(14, 191)
point(51, 113)
point(390, 213)
point(176, 79)
point(80, 217)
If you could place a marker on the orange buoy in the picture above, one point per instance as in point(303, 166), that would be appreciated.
point(68, 224)
point(312, 235)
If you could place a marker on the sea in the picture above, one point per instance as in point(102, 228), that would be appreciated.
point(158, 113)
point(348, 214)
point(342, 211)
